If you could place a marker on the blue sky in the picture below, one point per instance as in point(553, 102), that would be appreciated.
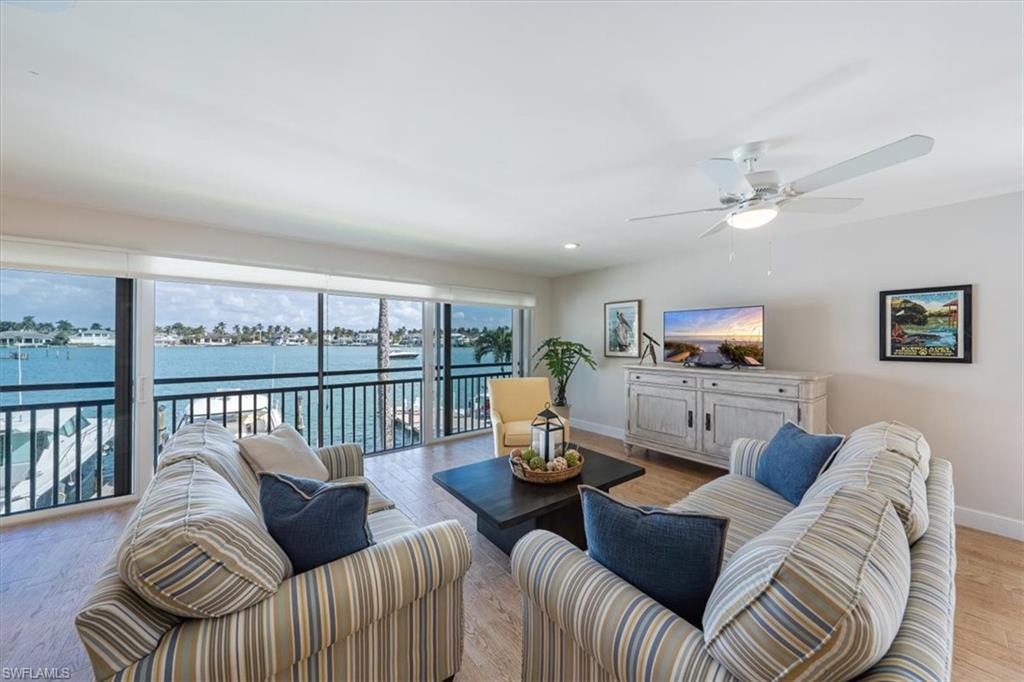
point(719, 322)
point(83, 300)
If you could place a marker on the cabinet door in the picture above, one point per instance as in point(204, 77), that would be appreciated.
point(728, 417)
point(663, 415)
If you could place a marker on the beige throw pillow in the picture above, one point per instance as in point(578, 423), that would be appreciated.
point(282, 451)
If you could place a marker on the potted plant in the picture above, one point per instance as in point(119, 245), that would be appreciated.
point(561, 357)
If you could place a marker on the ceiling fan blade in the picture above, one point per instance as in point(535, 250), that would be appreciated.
point(669, 215)
point(727, 175)
point(902, 150)
point(714, 229)
point(819, 205)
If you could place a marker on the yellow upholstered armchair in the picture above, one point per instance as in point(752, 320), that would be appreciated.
point(514, 404)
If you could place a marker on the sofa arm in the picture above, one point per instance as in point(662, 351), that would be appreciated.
point(743, 456)
point(313, 610)
point(498, 429)
point(342, 460)
point(626, 633)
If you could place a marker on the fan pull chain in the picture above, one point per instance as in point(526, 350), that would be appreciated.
point(732, 243)
point(769, 254)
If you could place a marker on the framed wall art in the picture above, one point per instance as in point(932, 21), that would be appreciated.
point(622, 329)
point(931, 324)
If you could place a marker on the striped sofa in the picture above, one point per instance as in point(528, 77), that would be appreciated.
point(393, 611)
point(869, 594)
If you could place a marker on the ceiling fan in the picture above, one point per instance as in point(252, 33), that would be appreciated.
point(754, 198)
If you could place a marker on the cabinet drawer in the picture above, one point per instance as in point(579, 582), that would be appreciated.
point(663, 379)
point(778, 389)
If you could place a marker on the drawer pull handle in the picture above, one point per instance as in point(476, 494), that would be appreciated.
point(707, 421)
point(714, 383)
point(689, 418)
point(782, 390)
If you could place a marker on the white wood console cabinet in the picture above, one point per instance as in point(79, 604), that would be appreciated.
point(696, 413)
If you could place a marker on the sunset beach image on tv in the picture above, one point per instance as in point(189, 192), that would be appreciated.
point(715, 336)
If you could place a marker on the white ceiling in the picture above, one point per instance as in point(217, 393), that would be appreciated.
point(496, 132)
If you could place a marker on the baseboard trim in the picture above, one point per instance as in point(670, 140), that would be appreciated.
point(600, 429)
point(965, 516)
point(990, 523)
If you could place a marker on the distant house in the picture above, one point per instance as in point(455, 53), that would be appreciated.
point(92, 337)
point(366, 338)
point(163, 339)
point(25, 339)
point(215, 340)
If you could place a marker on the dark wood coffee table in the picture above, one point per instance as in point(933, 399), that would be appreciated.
point(507, 508)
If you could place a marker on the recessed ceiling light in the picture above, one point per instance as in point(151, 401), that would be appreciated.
point(570, 246)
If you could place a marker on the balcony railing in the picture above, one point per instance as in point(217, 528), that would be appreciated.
point(72, 442)
point(380, 414)
point(59, 452)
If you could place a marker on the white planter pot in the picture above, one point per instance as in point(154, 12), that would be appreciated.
point(562, 412)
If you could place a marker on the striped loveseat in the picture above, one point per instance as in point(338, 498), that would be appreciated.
point(393, 611)
point(855, 582)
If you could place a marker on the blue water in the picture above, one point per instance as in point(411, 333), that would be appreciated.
point(69, 364)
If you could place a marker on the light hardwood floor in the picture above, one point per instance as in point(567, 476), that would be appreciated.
point(46, 569)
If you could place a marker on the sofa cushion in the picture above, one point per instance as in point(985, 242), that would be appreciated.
point(891, 435)
point(388, 524)
point(517, 434)
point(377, 500)
point(751, 508)
point(887, 474)
point(671, 556)
point(820, 596)
point(315, 522)
point(282, 451)
point(194, 548)
point(791, 461)
point(215, 446)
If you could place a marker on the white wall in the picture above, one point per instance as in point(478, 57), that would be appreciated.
point(822, 314)
point(44, 220)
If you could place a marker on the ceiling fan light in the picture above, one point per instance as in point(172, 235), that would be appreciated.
point(752, 218)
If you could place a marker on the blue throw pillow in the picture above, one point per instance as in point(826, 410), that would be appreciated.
point(672, 557)
point(793, 459)
point(315, 522)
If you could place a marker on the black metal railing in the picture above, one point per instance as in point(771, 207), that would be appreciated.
point(56, 452)
point(381, 414)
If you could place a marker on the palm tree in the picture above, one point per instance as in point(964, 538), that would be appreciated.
point(383, 361)
point(497, 342)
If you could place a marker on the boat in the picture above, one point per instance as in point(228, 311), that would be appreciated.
point(15, 355)
point(403, 355)
point(257, 413)
point(68, 456)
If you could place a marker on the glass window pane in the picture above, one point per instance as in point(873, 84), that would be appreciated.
point(56, 328)
point(372, 389)
point(235, 343)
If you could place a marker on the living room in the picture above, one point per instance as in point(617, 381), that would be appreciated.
point(564, 341)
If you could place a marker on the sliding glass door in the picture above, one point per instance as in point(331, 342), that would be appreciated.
point(472, 344)
point(65, 389)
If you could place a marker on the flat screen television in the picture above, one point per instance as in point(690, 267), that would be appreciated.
point(715, 337)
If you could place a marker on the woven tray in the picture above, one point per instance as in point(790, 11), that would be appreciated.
point(530, 476)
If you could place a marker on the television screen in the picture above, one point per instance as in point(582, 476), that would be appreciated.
point(714, 337)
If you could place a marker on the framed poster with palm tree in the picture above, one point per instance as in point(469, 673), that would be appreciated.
point(622, 329)
point(930, 324)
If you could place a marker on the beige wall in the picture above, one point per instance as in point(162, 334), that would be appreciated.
point(822, 314)
point(43, 220)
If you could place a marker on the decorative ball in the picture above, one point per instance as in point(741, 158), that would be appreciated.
point(537, 464)
point(558, 464)
point(517, 460)
point(550, 466)
point(572, 458)
point(516, 452)
point(529, 454)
